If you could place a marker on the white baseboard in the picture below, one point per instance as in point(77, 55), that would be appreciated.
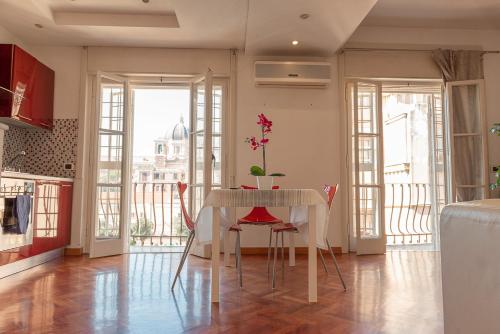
point(15, 267)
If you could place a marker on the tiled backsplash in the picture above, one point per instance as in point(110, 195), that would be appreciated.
point(46, 152)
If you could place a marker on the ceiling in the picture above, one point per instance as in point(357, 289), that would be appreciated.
point(258, 26)
point(272, 26)
point(454, 14)
point(208, 24)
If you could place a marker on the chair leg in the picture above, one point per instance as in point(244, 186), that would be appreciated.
point(322, 260)
point(238, 256)
point(185, 254)
point(283, 254)
point(236, 251)
point(336, 264)
point(274, 261)
point(269, 250)
point(183, 258)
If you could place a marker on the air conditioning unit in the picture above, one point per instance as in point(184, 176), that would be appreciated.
point(291, 73)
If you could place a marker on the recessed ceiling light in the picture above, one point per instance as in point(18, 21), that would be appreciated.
point(295, 42)
point(38, 25)
point(304, 16)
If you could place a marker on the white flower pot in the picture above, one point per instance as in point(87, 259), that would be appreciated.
point(265, 182)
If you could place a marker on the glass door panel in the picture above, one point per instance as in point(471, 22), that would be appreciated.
point(367, 167)
point(217, 135)
point(198, 139)
point(468, 140)
point(208, 138)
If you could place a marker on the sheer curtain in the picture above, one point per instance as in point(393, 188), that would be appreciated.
point(467, 130)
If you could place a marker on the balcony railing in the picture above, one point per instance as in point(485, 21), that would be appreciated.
point(408, 216)
point(156, 218)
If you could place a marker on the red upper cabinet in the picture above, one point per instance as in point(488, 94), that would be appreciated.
point(27, 88)
point(43, 94)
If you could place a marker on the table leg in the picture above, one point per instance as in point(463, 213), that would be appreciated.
point(227, 248)
point(215, 253)
point(291, 249)
point(312, 254)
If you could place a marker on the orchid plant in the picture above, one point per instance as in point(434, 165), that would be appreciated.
point(496, 131)
point(260, 143)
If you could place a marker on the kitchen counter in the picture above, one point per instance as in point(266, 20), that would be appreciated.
point(26, 176)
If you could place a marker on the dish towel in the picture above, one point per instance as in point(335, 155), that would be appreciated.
point(22, 209)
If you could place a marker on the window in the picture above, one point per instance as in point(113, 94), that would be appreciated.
point(159, 148)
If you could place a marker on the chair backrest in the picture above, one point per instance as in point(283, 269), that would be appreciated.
point(255, 188)
point(182, 187)
point(330, 191)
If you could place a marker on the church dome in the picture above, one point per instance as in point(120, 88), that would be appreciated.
point(179, 132)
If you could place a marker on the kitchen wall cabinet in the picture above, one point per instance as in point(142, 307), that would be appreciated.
point(27, 88)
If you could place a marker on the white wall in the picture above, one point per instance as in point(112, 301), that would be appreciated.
point(157, 60)
point(304, 144)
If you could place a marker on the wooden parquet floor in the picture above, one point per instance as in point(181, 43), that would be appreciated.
point(396, 293)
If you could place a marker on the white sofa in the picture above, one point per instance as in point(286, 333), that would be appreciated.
point(470, 260)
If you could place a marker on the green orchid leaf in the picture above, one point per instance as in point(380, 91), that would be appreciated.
point(277, 174)
point(257, 171)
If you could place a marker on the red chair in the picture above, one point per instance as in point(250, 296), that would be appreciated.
point(330, 191)
point(190, 224)
point(259, 216)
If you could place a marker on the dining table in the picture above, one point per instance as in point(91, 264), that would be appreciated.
point(308, 212)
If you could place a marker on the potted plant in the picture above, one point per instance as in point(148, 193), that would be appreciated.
point(264, 181)
point(496, 131)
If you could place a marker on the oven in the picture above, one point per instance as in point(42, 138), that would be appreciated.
point(16, 212)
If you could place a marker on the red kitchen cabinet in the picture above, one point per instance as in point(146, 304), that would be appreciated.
point(51, 215)
point(43, 94)
point(51, 219)
point(27, 88)
point(65, 209)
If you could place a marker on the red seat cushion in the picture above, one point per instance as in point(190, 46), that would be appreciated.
point(259, 216)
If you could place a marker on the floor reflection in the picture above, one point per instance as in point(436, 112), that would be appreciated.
point(140, 300)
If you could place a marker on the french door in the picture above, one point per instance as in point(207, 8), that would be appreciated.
point(110, 157)
point(208, 159)
point(469, 149)
point(201, 148)
point(367, 177)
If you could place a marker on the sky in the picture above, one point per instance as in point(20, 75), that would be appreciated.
point(157, 111)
